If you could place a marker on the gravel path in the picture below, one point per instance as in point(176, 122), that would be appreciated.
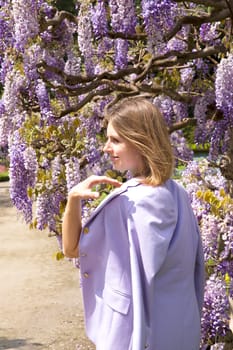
point(40, 298)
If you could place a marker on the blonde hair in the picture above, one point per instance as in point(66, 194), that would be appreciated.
point(141, 123)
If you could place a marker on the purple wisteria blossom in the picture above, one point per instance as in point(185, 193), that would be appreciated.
point(215, 317)
point(56, 169)
point(158, 17)
point(73, 64)
point(85, 37)
point(172, 110)
point(50, 197)
point(100, 28)
point(224, 87)
point(218, 139)
point(20, 177)
point(99, 19)
point(72, 170)
point(213, 211)
point(6, 31)
point(209, 33)
point(44, 209)
point(46, 9)
point(125, 16)
point(210, 229)
point(179, 42)
point(30, 165)
point(91, 127)
point(4, 122)
point(31, 58)
point(121, 48)
point(15, 83)
point(204, 126)
point(44, 103)
point(12, 113)
point(123, 19)
point(48, 208)
point(224, 101)
point(165, 104)
point(53, 59)
point(181, 150)
point(186, 77)
point(6, 67)
point(175, 111)
point(26, 25)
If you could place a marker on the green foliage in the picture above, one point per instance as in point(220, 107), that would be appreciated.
point(4, 176)
point(220, 205)
point(200, 148)
point(50, 141)
point(170, 78)
point(104, 189)
point(66, 5)
point(59, 256)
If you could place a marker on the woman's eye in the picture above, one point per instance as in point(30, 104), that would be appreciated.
point(114, 140)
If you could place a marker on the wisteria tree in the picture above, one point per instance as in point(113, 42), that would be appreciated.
point(62, 68)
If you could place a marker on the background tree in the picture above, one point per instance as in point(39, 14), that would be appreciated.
point(64, 63)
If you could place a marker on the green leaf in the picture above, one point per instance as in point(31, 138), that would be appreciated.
point(59, 255)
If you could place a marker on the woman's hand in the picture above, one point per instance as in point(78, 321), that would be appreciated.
point(72, 223)
point(84, 189)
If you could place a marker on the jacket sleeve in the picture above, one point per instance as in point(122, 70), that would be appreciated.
point(151, 224)
point(200, 275)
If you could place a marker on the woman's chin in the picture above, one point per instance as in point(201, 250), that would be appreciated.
point(117, 168)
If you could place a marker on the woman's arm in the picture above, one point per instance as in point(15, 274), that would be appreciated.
point(72, 220)
point(71, 227)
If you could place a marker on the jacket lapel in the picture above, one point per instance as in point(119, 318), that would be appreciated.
point(113, 194)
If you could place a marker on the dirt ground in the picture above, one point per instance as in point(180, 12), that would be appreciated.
point(40, 298)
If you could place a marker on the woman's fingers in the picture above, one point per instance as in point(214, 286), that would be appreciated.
point(96, 180)
point(84, 189)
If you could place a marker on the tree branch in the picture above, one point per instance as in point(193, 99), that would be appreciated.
point(120, 35)
point(219, 4)
point(155, 89)
point(230, 6)
point(226, 161)
point(197, 21)
point(144, 72)
point(59, 17)
point(82, 78)
point(182, 58)
point(178, 58)
point(183, 123)
point(88, 98)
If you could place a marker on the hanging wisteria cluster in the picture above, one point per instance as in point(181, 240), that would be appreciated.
point(213, 207)
point(59, 72)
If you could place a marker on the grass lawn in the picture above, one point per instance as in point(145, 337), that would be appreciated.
point(4, 176)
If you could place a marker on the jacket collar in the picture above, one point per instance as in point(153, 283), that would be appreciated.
point(116, 192)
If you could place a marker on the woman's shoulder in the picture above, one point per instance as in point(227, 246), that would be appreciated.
point(145, 193)
point(134, 190)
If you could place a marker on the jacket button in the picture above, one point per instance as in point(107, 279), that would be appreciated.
point(86, 275)
point(85, 230)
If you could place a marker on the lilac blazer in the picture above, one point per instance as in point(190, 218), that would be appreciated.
point(142, 270)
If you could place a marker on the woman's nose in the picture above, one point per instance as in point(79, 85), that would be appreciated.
point(106, 147)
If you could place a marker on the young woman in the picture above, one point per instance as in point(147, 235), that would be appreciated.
point(140, 252)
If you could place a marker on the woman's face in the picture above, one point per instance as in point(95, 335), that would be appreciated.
point(123, 155)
